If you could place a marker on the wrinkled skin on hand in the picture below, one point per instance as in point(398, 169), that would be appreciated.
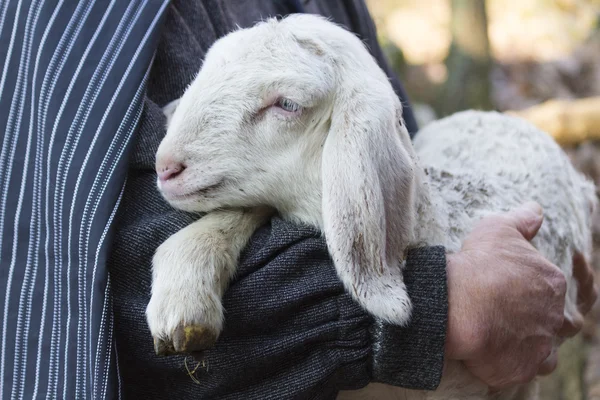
point(506, 301)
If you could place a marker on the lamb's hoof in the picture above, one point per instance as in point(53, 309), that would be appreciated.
point(186, 340)
point(193, 338)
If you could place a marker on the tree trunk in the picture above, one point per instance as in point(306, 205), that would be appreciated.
point(469, 62)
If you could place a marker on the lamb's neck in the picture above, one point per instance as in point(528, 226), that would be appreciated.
point(431, 219)
point(306, 211)
point(431, 209)
point(301, 204)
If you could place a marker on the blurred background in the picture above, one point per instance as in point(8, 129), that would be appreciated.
point(539, 59)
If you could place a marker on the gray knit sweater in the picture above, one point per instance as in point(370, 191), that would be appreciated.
point(291, 331)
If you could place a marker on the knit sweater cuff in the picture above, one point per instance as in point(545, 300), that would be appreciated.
point(413, 357)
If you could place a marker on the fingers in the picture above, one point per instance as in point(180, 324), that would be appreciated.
point(571, 326)
point(549, 365)
point(588, 291)
point(586, 298)
point(527, 219)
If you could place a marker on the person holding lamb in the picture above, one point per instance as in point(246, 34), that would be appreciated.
point(292, 331)
point(286, 306)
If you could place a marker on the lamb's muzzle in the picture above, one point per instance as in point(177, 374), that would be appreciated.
point(297, 116)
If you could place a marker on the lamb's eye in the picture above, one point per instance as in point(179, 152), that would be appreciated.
point(288, 105)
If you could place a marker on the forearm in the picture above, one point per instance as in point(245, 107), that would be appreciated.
point(358, 349)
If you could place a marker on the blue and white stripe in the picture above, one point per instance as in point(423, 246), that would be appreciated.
point(72, 84)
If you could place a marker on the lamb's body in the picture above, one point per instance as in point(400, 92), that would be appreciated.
point(338, 158)
point(480, 163)
point(483, 163)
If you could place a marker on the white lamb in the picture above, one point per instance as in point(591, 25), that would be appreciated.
point(296, 116)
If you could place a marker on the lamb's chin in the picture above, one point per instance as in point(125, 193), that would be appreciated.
point(194, 204)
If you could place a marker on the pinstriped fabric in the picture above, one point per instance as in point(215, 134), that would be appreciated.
point(72, 82)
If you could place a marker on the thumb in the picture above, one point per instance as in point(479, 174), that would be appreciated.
point(527, 219)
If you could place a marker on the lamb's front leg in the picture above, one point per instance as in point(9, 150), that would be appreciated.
point(190, 273)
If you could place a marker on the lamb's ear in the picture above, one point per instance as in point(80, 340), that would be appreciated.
point(368, 197)
point(169, 110)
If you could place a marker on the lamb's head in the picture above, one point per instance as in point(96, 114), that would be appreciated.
point(251, 126)
point(295, 114)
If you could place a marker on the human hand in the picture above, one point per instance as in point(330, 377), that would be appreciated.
point(506, 301)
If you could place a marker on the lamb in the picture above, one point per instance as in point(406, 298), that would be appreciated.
point(295, 116)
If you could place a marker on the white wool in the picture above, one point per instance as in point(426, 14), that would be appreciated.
point(346, 165)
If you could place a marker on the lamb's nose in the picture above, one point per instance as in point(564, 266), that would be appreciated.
point(169, 170)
